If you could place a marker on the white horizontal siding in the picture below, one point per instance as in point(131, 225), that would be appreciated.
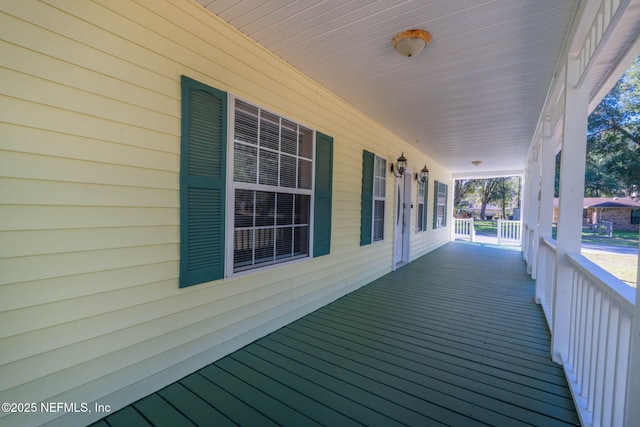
point(89, 220)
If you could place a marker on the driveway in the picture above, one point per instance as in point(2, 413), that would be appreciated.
point(623, 250)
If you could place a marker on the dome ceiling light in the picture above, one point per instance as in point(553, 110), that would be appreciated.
point(411, 42)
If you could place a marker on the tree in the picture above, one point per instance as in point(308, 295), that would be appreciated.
point(613, 139)
point(507, 191)
point(487, 190)
point(463, 189)
point(617, 113)
point(599, 182)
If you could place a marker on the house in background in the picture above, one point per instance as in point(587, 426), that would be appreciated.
point(622, 212)
point(492, 211)
point(180, 178)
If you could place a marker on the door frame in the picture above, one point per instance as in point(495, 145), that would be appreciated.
point(405, 183)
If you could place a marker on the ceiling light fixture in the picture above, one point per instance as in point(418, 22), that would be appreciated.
point(411, 42)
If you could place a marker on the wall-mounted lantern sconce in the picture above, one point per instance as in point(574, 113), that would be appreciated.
point(400, 167)
point(423, 175)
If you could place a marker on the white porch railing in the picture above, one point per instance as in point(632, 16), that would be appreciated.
point(546, 281)
point(509, 231)
point(597, 365)
point(530, 249)
point(464, 228)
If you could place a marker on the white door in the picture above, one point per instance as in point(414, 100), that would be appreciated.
point(401, 218)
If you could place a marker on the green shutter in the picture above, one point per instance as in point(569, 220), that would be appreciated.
point(322, 195)
point(202, 183)
point(435, 204)
point(366, 216)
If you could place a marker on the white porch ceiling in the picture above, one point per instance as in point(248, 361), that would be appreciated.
point(474, 94)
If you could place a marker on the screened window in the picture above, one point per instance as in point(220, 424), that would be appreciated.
point(440, 217)
point(272, 184)
point(422, 211)
point(379, 188)
point(635, 216)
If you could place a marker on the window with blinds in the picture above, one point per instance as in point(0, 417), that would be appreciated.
point(272, 184)
point(440, 205)
point(421, 220)
point(379, 186)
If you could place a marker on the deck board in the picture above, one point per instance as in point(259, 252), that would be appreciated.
point(422, 352)
point(218, 396)
point(193, 407)
point(453, 338)
point(331, 398)
point(267, 379)
point(440, 375)
point(160, 413)
point(380, 409)
point(258, 399)
point(125, 417)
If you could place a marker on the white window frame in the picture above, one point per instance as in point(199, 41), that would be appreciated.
point(379, 166)
point(441, 221)
point(422, 186)
point(232, 186)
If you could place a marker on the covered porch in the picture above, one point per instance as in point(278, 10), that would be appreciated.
point(428, 344)
point(369, 315)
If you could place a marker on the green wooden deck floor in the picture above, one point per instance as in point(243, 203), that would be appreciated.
point(454, 338)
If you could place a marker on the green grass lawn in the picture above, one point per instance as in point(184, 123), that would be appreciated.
point(485, 228)
point(620, 238)
point(623, 266)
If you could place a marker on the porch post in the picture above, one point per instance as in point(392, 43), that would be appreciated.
point(572, 167)
point(534, 206)
point(545, 206)
point(525, 215)
point(632, 409)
